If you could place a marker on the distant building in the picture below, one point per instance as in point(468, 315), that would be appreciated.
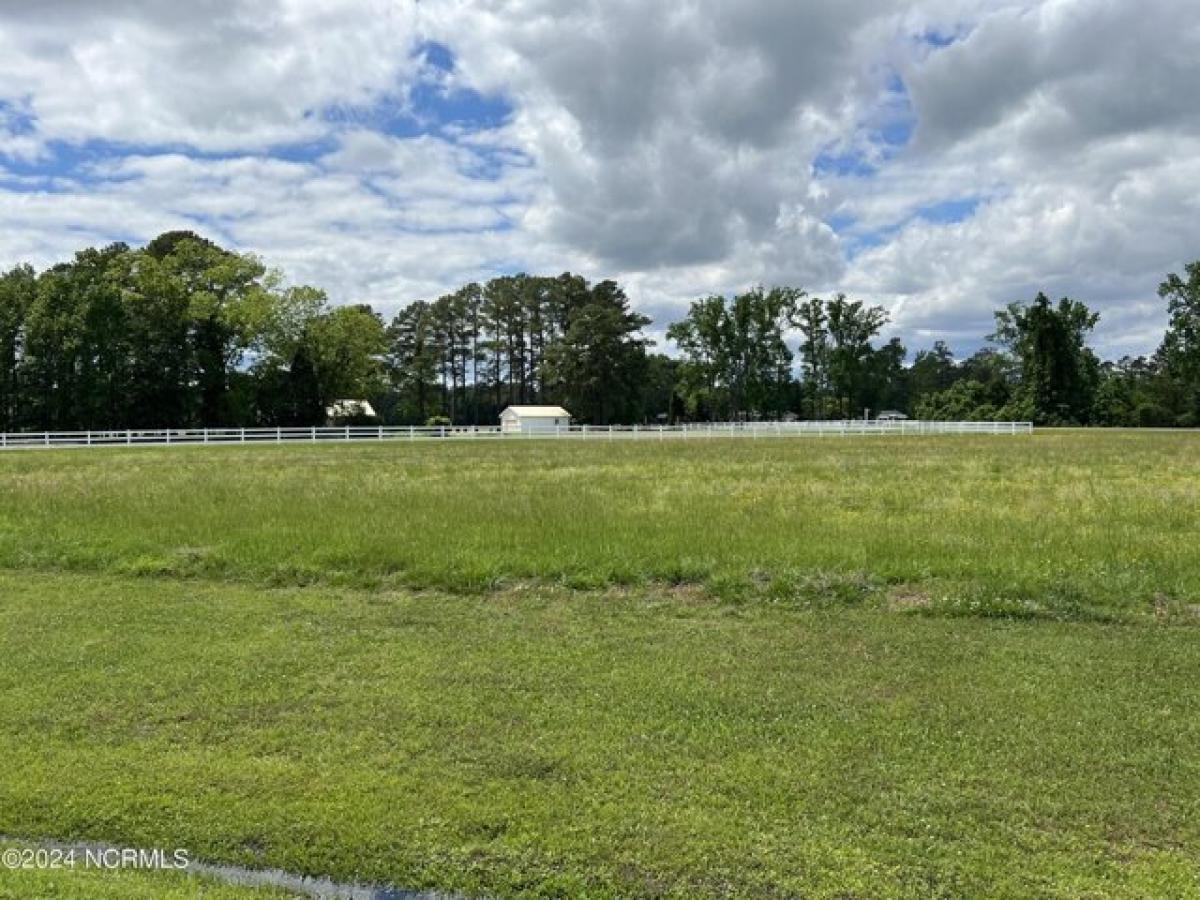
point(342, 412)
point(891, 415)
point(525, 419)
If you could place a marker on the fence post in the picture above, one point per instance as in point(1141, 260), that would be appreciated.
point(204, 435)
point(347, 432)
point(313, 429)
point(242, 435)
point(128, 437)
point(381, 432)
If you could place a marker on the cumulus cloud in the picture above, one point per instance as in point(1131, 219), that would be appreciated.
point(207, 74)
point(939, 156)
point(1074, 125)
point(671, 134)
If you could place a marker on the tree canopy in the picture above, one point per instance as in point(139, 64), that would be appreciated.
point(185, 333)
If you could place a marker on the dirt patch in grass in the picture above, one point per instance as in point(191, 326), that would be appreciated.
point(1169, 610)
point(905, 597)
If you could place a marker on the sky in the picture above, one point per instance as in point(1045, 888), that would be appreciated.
point(940, 158)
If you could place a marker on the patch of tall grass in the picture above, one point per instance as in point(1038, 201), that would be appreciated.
point(1063, 523)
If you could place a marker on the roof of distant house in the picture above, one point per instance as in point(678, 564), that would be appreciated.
point(350, 408)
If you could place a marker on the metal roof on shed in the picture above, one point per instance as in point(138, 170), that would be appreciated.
point(537, 411)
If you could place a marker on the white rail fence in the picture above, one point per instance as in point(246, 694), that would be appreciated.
point(179, 437)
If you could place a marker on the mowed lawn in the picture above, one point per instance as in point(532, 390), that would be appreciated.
point(845, 668)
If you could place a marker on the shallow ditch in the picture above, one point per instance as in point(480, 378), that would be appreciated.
point(301, 885)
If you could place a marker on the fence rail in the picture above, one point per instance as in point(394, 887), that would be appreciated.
point(171, 437)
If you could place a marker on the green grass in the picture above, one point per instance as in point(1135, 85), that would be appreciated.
point(559, 743)
point(1074, 524)
point(826, 668)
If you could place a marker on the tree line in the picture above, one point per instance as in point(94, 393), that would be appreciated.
point(184, 333)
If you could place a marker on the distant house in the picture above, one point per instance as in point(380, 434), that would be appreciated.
point(891, 415)
point(348, 412)
point(525, 419)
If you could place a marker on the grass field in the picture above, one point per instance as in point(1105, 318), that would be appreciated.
point(844, 668)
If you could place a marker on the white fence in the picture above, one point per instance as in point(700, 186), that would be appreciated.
point(222, 436)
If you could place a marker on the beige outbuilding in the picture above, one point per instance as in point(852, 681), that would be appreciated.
point(526, 419)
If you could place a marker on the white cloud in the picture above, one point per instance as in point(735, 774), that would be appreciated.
point(671, 146)
point(669, 134)
point(212, 75)
point(1077, 124)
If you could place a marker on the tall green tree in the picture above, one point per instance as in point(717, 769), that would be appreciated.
point(228, 306)
point(18, 288)
point(504, 322)
point(1137, 392)
point(471, 304)
point(736, 358)
point(932, 371)
point(661, 401)
point(158, 315)
point(704, 373)
point(287, 388)
point(303, 404)
point(413, 360)
point(851, 326)
point(761, 370)
point(347, 345)
point(1180, 350)
point(1059, 372)
point(599, 363)
point(813, 325)
point(980, 388)
point(885, 385)
point(76, 349)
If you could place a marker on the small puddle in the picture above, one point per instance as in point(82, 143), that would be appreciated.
point(303, 885)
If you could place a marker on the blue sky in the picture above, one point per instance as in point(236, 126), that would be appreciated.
point(940, 158)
